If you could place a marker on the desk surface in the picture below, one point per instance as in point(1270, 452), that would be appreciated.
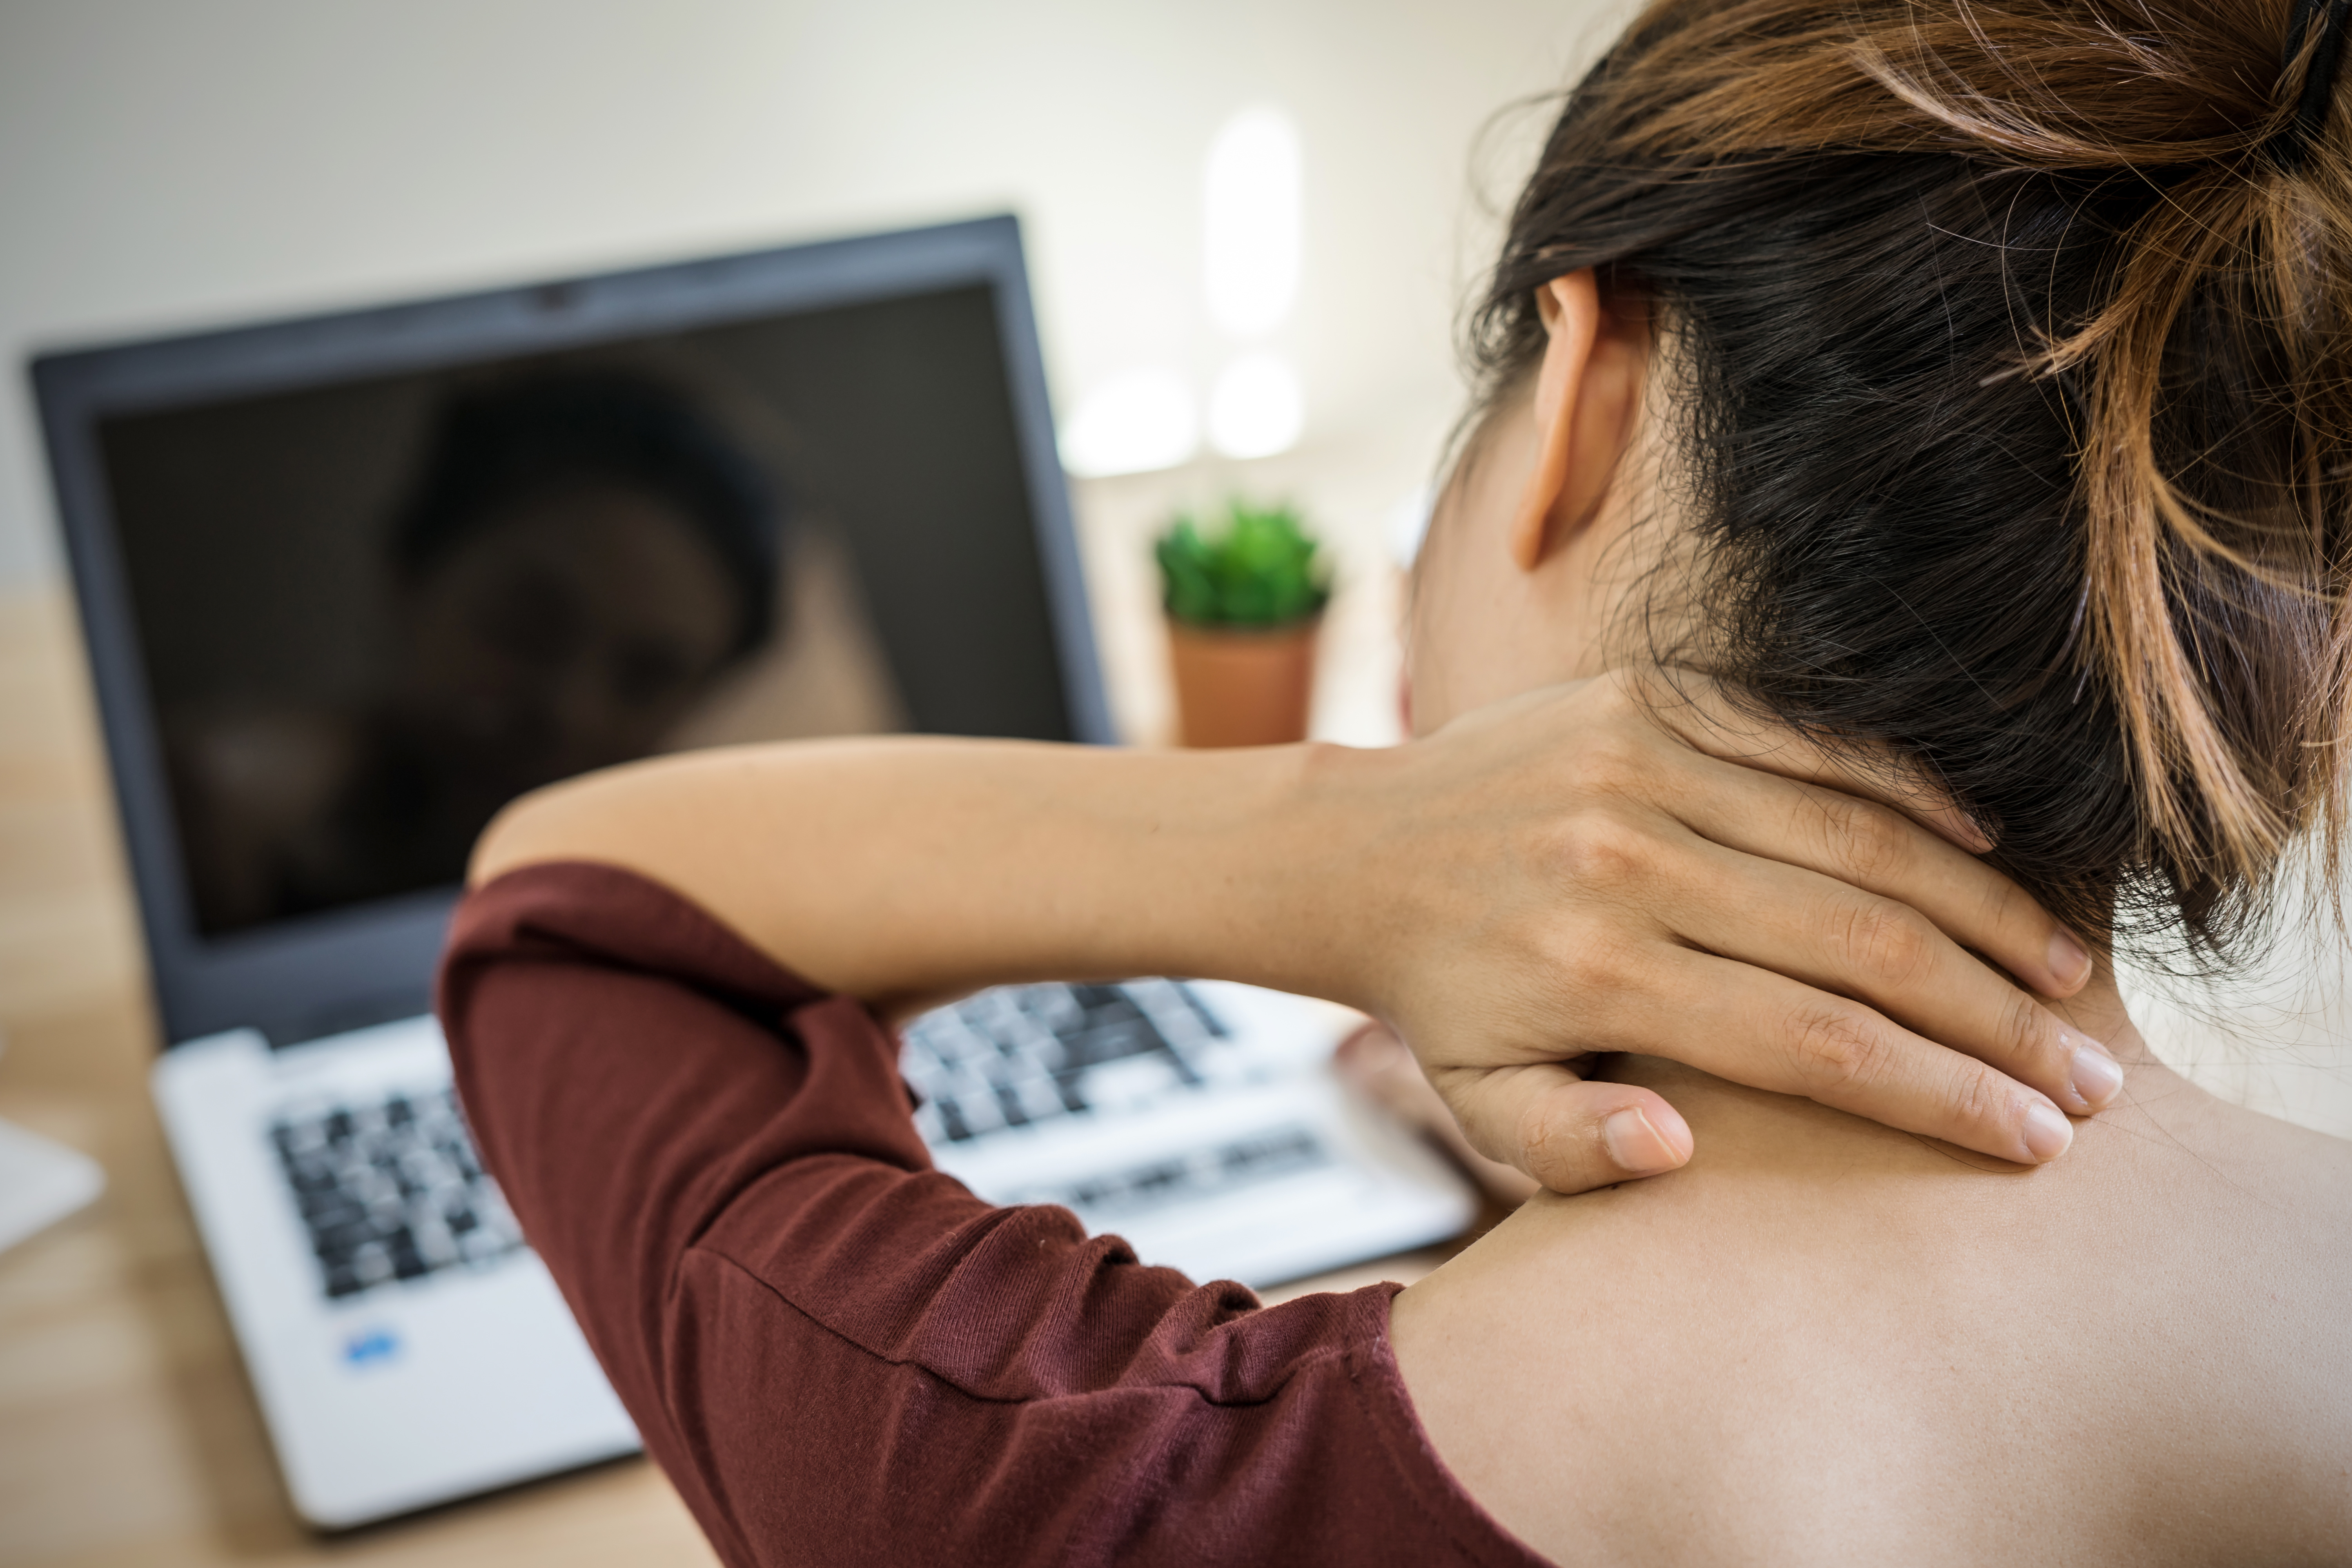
point(128, 1432)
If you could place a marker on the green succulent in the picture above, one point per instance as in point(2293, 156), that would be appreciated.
point(1258, 569)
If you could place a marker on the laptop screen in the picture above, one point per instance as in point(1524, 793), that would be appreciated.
point(370, 611)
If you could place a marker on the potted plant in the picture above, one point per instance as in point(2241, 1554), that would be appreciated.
point(1245, 601)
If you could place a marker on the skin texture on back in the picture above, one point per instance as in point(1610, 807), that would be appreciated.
point(1823, 1341)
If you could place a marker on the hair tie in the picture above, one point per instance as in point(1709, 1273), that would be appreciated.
point(2289, 147)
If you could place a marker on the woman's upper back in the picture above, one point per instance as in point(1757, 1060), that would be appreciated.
point(1827, 1341)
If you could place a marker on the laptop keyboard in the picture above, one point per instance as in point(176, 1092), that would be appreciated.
point(1020, 1055)
point(1108, 1197)
point(1032, 1056)
point(390, 1189)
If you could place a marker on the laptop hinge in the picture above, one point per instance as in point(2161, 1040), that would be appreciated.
point(349, 1014)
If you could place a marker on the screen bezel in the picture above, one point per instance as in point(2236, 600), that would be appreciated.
point(301, 978)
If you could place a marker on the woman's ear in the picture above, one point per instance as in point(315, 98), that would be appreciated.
point(1587, 392)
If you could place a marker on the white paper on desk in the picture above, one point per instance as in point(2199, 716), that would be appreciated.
point(40, 1183)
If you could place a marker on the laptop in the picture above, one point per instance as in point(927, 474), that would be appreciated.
point(350, 583)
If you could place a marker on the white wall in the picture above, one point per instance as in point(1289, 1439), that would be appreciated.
point(166, 166)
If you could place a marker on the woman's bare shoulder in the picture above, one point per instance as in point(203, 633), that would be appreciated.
point(2172, 1132)
point(1819, 1313)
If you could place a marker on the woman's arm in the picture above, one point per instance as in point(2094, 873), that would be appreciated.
point(910, 870)
point(1551, 877)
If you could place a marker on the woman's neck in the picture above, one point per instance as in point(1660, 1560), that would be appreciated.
point(1754, 1129)
point(2098, 1011)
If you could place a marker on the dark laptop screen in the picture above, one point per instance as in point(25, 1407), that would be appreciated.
point(372, 611)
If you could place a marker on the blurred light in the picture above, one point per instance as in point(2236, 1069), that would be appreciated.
point(1408, 524)
point(1134, 422)
point(1251, 222)
point(1256, 409)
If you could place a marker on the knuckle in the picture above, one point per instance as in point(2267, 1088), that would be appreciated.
point(2025, 1034)
point(1609, 763)
point(1872, 847)
point(1834, 1048)
point(2000, 904)
point(1551, 1142)
point(1886, 940)
point(1597, 963)
point(1981, 1099)
point(2011, 915)
point(1603, 850)
point(1538, 1128)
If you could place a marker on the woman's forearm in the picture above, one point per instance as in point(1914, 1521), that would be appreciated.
point(900, 870)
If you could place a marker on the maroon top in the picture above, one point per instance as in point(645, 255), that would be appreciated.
point(840, 1355)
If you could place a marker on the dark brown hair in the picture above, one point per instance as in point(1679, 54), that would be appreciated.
point(2014, 405)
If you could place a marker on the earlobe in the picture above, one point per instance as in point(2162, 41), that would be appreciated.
point(1580, 409)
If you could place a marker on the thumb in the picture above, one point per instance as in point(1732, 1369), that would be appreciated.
point(1568, 1134)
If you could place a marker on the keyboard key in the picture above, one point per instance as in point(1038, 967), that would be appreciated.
point(389, 1190)
point(1020, 1055)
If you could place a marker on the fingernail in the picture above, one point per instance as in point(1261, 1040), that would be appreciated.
point(2096, 1074)
point(1637, 1147)
point(2047, 1130)
point(2070, 961)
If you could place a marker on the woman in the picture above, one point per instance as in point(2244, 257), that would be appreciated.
point(1947, 390)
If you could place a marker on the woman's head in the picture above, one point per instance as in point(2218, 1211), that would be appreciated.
point(1972, 378)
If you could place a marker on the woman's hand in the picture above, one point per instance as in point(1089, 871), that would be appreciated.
point(1382, 1067)
point(1582, 871)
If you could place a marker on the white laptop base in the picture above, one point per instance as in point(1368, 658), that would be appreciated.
point(1202, 1124)
point(399, 1393)
point(1199, 1120)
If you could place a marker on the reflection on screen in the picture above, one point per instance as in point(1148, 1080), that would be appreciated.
point(374, 612)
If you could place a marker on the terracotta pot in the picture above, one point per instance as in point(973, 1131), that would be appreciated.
point(1243, 687)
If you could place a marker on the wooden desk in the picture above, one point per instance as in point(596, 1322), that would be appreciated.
point(128, 1432)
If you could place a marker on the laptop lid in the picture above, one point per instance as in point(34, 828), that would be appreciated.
point(347, 583)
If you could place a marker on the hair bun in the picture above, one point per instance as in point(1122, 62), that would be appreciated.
point(2292, 145)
